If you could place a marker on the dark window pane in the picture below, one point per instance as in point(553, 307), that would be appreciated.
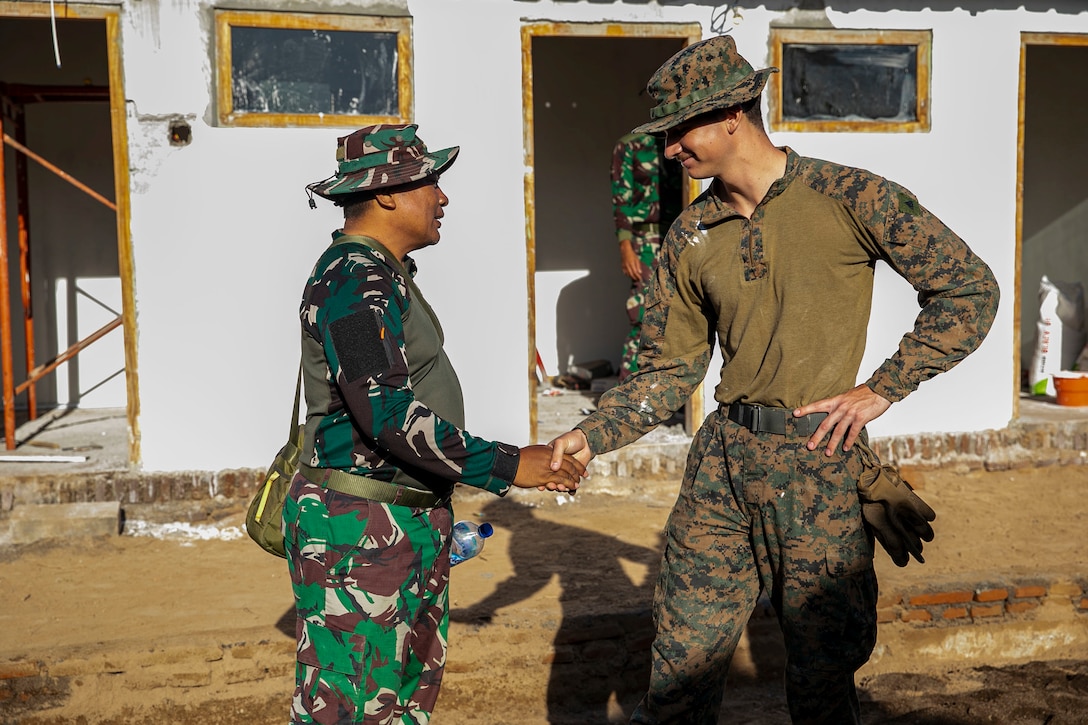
point(849, 82)
point(277, 70)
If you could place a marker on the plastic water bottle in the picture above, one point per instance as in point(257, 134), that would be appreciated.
point(467, 540)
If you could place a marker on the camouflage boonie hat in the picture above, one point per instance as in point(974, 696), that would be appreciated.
point(381, 156)
point(703, 77)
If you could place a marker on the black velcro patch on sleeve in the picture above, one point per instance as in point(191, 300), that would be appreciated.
point(507, 459)
point(357, 340)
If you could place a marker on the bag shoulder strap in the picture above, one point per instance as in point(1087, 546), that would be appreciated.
point(396, 263)
point(292, 431)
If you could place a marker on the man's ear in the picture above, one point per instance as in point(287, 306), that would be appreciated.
point(386, 201)
point(731, 117)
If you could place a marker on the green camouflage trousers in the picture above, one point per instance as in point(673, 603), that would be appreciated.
point(645, 245)
point(371, 586)
point(760, 512)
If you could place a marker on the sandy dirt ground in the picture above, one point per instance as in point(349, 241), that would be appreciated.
point(558, 570)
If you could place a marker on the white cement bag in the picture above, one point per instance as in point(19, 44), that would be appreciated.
point(1059, 334)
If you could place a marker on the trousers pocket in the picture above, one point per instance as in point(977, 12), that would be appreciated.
point(328, 648)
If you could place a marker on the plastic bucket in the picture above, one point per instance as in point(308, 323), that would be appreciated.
point(1072, 389)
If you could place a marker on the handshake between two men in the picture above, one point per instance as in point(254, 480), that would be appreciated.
point(557, 466)
point(893, 513)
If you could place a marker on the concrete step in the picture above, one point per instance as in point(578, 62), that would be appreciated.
point(37, 522)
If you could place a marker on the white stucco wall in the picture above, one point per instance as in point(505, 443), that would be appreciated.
point(223, 238)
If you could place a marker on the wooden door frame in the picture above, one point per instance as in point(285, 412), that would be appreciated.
point(119, 131)
point(1026, 39)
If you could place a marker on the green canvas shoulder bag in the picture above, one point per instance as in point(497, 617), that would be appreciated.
point(264, 519)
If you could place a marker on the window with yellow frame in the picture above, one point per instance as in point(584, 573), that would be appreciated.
point(299, 69)
point(849, 80)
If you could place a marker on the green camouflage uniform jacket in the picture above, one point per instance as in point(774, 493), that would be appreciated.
point(646, 187)
point(363, 414)
point(787, 294)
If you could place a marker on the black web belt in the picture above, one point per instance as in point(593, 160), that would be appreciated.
point(762, 419)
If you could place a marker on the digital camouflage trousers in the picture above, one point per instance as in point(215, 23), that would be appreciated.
point(645, 246)
point(371, 597)
point(760, 512)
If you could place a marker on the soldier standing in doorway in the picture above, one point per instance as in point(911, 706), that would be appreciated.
point(646, 198)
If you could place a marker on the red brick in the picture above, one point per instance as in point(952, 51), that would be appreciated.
point(916, 615)
point(883, 616)
point(1065, 589)
point(1021, 607)
point(1083, 603)
point(1029, 591)
point(995, 611)
point(923, 600)
point(991, 595)
point(955, 613)
point(12, 670)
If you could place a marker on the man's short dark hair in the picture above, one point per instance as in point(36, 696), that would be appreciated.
point(753, 111)
point(353, 204)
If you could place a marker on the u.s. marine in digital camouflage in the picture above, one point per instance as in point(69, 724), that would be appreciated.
point(774, 263)
point(787, 294)
point(646, 198)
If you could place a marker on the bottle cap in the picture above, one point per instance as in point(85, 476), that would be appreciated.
point(486, 529)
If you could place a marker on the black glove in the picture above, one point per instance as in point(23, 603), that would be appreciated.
point(898, 518)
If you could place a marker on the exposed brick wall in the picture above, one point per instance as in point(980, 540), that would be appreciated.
point(956, 603)
point(1020, 445)
point(129, 487)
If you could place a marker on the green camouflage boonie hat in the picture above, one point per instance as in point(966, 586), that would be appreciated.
point(703, 77)
point(379, 157)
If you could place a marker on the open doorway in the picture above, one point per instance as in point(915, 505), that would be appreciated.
point(69, 317)
point(584, 88)
point(1052, 214)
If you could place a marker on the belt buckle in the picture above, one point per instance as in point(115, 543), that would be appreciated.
point(755, 423)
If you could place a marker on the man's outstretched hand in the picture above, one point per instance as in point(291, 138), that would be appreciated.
point(540, 468)
point(573, 443)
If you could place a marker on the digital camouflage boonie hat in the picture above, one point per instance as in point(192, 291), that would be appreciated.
point(702, 77)
point(379, 157)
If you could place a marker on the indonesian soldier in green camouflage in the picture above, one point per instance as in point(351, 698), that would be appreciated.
point(775, 262)
point(646, 198)
point(368, 517)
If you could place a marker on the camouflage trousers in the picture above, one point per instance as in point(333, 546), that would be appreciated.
point(645, 246)
point(371, 598)
point(760, 512)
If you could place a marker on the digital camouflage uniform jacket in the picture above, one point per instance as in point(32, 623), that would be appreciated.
point(787, 293)
point(363, 414)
